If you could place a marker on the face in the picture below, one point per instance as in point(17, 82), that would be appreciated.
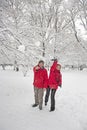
point(58, 67)
point(41, 65)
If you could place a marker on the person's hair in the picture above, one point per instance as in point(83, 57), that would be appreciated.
point(41, 61)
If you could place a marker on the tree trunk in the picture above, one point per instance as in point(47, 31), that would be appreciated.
point(3, 66)
point(43, 54)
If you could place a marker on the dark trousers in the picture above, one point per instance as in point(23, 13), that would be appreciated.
point(53, 91)
point(47, 94)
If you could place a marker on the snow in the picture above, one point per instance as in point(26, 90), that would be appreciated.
point(37, 43)
point(16, 98)
point(21, 48)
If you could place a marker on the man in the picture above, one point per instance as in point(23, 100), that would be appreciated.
point(40, 83)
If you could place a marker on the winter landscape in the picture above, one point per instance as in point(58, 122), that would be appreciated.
point(33, 30)
point(16, 99)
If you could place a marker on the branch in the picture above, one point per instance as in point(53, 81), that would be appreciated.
point(2, 52)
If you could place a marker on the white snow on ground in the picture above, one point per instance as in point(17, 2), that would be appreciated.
point(16, 98)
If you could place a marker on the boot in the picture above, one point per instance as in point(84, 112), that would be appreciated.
point(34, 105)
point(52, 109)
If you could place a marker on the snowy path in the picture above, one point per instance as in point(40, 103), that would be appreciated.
point(16, 97)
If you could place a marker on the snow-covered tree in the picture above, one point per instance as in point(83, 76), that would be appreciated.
point(46, 29)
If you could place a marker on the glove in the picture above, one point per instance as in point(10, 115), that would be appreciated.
point(55, 59)
point(60, 86)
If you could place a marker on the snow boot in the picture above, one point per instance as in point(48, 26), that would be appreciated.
point(52, 109)
point(34, 105)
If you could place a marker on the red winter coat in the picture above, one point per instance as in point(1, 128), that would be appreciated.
point(40, 78)
point(55, 77)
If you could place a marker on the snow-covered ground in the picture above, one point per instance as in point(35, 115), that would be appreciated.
point(16, 99)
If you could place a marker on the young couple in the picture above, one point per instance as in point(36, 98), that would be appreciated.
point(42, 82)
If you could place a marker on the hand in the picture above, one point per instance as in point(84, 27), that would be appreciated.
point(44, 89)
point(37, 67)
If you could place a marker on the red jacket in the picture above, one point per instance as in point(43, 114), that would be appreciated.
point(40, 78)
point(55, 77)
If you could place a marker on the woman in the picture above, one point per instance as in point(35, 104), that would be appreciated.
point(55, 80)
